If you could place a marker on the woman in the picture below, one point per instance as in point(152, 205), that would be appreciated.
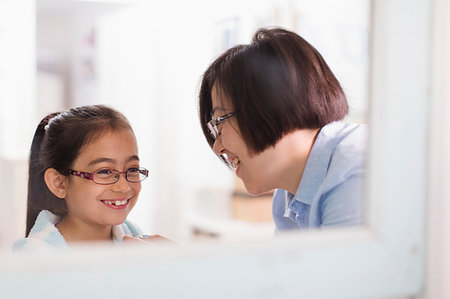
point(273, 111)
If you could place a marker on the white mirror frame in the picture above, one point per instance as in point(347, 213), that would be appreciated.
point(384, 258)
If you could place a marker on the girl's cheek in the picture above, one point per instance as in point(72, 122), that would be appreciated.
point(138, 188)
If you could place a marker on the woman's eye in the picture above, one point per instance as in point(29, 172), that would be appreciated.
point(134, 169)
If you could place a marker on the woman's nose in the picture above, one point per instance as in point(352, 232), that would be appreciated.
point(218, 147)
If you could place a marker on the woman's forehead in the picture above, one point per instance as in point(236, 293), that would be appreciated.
point(219, 101)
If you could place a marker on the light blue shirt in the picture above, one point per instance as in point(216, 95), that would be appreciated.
point(45, 236)
point(331, 189)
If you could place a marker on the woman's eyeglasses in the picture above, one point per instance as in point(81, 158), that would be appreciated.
point(107, 176)
point(213, 124)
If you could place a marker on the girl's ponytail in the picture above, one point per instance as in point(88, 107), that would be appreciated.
point(39, 196)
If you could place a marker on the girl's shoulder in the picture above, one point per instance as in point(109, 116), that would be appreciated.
point(43, 236)
point(132, 229)
point(127, 228)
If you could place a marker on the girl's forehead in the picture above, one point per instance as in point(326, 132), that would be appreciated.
point(109, 135)
point(116, 145)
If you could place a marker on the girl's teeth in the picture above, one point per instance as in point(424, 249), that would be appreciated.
point(117, 202)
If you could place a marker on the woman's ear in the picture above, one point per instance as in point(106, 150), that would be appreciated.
point(56, 182)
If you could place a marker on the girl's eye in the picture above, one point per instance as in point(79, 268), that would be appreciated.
point(133, 174)
point(104, 172)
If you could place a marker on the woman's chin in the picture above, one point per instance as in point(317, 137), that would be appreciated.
point(254, 190)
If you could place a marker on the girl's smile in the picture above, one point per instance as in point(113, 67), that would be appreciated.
point(117, 204)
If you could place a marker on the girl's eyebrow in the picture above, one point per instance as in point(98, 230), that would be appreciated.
point(100, 160)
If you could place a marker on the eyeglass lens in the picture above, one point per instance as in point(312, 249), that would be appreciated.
point(107, 176)
point(212, 129)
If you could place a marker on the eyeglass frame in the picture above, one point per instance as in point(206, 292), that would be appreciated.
point(213, 124)
point(90, 175)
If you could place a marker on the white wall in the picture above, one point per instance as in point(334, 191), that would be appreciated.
point(439, 150)
point(17, 105)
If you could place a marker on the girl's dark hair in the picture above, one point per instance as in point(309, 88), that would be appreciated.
point(56, 144)
point(276, 84)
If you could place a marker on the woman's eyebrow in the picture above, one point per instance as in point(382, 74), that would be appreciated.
point(217, 108)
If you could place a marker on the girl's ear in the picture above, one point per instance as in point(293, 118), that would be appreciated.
point(56, 182)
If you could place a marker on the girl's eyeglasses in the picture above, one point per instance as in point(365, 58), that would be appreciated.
point(107, 176)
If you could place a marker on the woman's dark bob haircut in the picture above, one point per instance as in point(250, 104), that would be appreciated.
point(276, 84)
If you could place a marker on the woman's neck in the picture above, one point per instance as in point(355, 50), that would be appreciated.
point(74, 230)
point(293, 151)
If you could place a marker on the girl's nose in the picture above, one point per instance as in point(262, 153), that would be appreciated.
point(122, 185)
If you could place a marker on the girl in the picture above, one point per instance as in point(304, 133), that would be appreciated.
point(84, 179)
point(272, 110)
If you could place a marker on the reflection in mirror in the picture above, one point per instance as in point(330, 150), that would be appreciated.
point(146, 60)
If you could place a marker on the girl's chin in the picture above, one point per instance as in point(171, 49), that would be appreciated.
point(116, 221)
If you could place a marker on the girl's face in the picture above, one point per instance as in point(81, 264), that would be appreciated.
point(257, 171)
point(93, 205)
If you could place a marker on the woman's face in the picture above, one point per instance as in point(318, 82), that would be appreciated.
point(255, 170)
point(92, 204)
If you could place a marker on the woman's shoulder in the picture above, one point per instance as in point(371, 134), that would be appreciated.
point(350, 142)
point(347, 133)
point(348, 155)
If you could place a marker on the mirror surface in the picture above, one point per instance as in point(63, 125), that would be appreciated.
point(146, 60)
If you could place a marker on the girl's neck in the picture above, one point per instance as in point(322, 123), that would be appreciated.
point(76, 231)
